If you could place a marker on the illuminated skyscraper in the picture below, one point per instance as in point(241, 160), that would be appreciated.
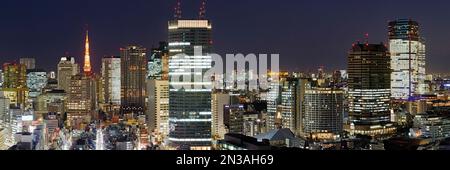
point(324, 110)
point(158, 65)
point(190, 108)
point(80, 101)
point(133, 68)
point(369, 79)
point(219, 100)
point(292, 98)
point(66, 69)
point(14, 83)
point(407, 50)
point(87, 57)
point(110, 82)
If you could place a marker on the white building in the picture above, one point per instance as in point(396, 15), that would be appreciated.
point(158, 106)
point(407, 50)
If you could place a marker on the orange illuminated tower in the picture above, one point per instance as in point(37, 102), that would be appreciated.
point(87, 58)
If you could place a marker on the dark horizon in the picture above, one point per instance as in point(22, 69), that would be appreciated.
point(306, 34)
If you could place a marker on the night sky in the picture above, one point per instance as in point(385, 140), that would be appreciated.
point(306, 33)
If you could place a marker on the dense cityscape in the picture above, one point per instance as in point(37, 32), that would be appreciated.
point(384, 99)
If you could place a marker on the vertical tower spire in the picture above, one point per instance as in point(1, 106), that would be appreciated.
point(87, 58)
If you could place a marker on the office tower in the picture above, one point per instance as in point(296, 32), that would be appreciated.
point(190, 108)
point(36, 81)
point(87, 69)
point(110, 82)
point(1, 78)
point(274, 99)
point(219, 101)
point(66, 69)
point(324, 110)
point(407, 50)
point(369, 79)
point(292, 94)
point(30, 63)
point(14, 83)
point(158, 106)
point(80, 101)
point(133, 68)
point(158, 65)
point(4, 109)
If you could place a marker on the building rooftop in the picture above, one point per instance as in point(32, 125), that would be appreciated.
point(277, 134)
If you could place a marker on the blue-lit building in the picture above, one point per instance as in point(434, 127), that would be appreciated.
point(36, 81)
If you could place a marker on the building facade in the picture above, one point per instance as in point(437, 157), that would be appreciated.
point(190, 106)
point(66, 69)
point(158, 106)
point(110, 82)
point(133, 67)
point(324, 111)
point(369, 83)
point(407, 49)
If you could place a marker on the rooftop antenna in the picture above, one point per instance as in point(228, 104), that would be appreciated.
point(202, 11)
point(178, 10)
point(366, 38)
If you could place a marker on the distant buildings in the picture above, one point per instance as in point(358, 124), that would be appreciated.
point(30, 63)
point(190, 107)
point(369, 83)
point(133, 68)
point(407, 50)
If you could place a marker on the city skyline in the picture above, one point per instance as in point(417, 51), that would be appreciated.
point(65, 33)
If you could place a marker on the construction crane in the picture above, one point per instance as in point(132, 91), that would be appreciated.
point(202, 11)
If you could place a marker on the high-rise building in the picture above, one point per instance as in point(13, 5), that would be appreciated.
point(292, 97)
point(274, 99)
point(4, 109)
point(190, 108)
point(30, 63)
point(36, 81)
point(219, 101)
point(14, 84)
point(133, 68)
point(66, 69)
point(369, 79)
point(407, 50)
point(80, 101)
point(158, 106)
point(87, 69)
point(324, 110)
point(158, 65)
point(110, 82)
point(1, 78)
